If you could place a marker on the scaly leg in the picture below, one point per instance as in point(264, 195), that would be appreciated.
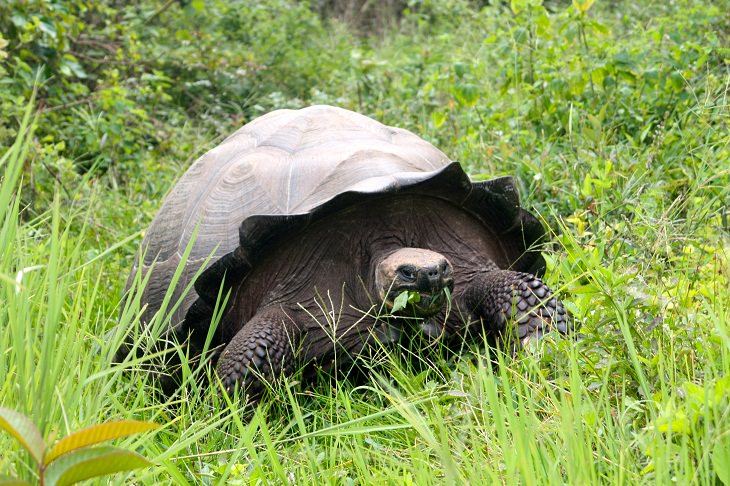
point(502, 296)
point(260, 352)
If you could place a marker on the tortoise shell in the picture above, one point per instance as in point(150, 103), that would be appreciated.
point(289, 168)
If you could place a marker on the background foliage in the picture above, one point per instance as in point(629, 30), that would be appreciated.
point(613, 116)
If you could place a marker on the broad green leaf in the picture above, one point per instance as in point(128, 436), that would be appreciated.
point(721, 389)
point(518, 6)
point(696, 395)
point(678, 423)
point(20, 427)
point(92, 462)
point(11, 481)
point(460, 69)
point(400, 302)
point(721, 459)
point(466, 94)
point(96, 434)
point(438, 118)
point(70, 66)
point(599, 27)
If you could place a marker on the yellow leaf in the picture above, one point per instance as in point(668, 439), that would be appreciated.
point(91, 463)
point(582, 7)
point(20, 427)
point(97, 433)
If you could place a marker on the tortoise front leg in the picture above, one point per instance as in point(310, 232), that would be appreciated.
point(260, 352)
point(499, 297)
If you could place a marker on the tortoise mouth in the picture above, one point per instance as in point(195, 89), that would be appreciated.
point(414, 282)
point(419, 303)
point(430, 303)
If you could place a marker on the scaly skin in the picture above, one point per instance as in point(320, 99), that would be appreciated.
point(258, 353)
point(500, 297)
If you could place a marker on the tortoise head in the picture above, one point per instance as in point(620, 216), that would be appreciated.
point(418, 270)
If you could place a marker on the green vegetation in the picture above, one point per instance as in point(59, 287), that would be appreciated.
point(613, 116)
point(77, 456)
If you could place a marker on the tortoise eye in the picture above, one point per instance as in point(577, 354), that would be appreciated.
point(407, 273)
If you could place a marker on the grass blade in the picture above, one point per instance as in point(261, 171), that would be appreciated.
point(721, 459)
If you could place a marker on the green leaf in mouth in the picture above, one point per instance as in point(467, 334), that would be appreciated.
point(404, 298)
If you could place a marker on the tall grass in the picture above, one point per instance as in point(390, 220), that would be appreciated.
point(654, 408)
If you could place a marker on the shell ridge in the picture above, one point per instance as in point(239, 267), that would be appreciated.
point(334, 170)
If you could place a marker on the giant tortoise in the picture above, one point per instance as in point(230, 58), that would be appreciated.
point(330, 232)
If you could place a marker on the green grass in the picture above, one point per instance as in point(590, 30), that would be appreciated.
point(615, 124)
